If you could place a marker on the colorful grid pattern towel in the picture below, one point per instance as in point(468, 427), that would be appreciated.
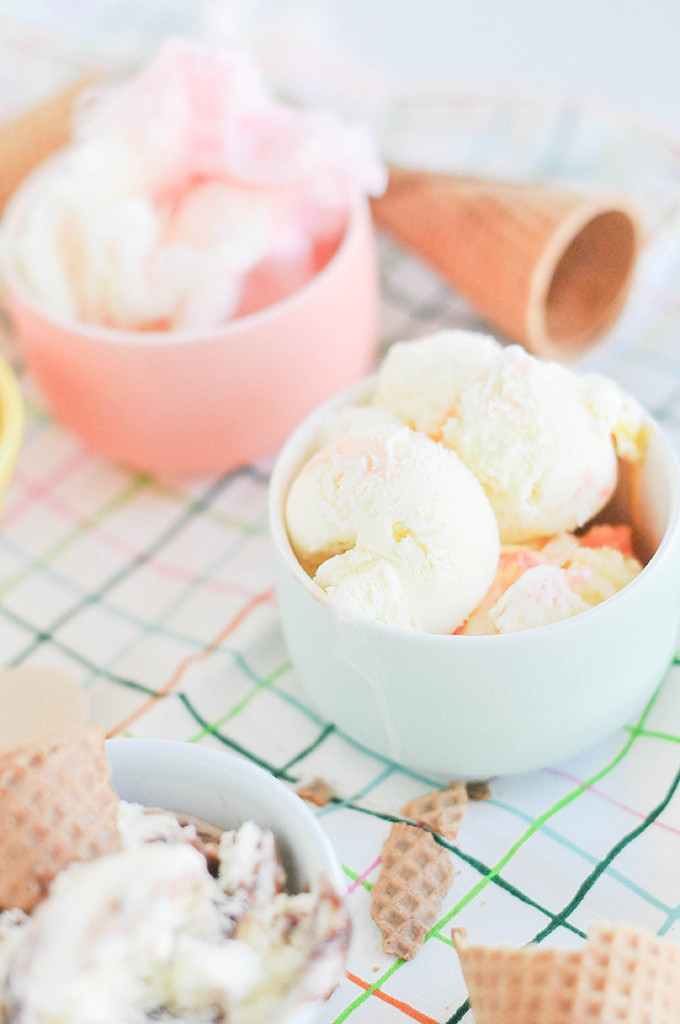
point(157, 596)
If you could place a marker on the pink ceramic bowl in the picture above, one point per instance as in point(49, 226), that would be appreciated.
point(191, 403)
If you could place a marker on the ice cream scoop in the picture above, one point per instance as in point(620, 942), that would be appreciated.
point(393, 526)
point(179, 918)
point(542, 440)
point(148, 931)
point(544, 582)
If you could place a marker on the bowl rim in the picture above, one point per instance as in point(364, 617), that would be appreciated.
point(12, 417)
point(300, 446)
point(303, 832)
point(236, 766)
point(20, 203)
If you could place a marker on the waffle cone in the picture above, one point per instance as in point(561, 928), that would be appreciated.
point(440, 810)
point(532, 985)
point(57, 806)
point(31, 137)
point(622, 976)
point(551, 269)
point(414, 878)
point(628, 977)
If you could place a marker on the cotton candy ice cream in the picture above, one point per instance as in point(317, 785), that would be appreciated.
point(546, 582)
point(190, 195)
point(542, 441)
point(393, 526)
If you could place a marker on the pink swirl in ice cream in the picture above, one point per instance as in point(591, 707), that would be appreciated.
point(191, 195)
point(548, 580)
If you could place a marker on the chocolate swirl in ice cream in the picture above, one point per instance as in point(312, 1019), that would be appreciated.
point(184, 922)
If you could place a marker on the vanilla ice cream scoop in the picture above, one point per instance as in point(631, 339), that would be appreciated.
point(393, 525)
point(542, 441)
point(421, 381)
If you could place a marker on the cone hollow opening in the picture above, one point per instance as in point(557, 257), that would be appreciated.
point(591, 281)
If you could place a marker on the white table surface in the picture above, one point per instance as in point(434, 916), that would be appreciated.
point(621, 53)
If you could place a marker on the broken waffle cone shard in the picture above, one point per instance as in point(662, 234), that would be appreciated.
point(406, 898)
point(441, 810)
point(622, 975)
point(551, 269)
point(532, 985)
point(628, 976)
point(57, 806)
point(318, 792)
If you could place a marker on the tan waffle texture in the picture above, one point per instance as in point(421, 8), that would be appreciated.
point(527, 986)
point(415, 876)
point(628, 977)
point(57, 805)
point(549, 268)
point(622, 976)
point(441, 810)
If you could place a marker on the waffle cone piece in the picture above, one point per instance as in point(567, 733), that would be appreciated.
point(532, 985)
point(32, 136)
point(551, 269)
point(415, 876)
point(57, 806)
point(622, 976)
point(441, 810)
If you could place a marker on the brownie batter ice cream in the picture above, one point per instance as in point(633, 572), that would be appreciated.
point(148, 932)
point(113, 913)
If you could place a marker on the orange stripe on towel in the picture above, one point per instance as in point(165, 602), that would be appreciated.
point(396, 1003)
point(174, 680)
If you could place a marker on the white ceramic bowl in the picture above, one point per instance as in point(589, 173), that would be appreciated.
point(473, 707)
point(225, 790)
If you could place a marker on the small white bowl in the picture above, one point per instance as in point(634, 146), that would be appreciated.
point(477, 706)
point(225, 790)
